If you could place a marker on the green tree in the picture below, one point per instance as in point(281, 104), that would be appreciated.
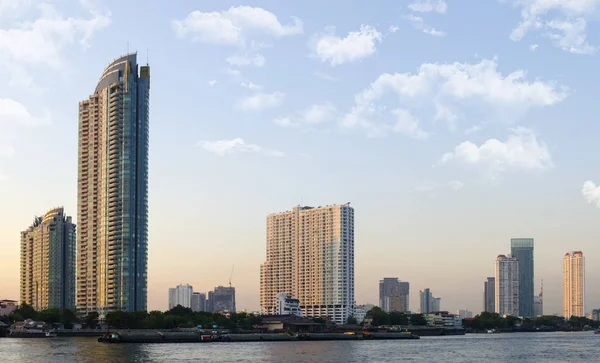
point(23, 312)
point(351, 320)
point(50, 316)
point(67, 318)
point(91, 320)
point(418, 319)
point(379, 316)
point(398, 318)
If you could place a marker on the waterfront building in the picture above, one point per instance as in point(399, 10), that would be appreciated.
point(464, 314)
point(112, 242)
point(489, 295)
point(287, 305)
point(310, 256)
point(221, 299)
point(180, 295)
point(393, 295)
point(573, 284)
point(198, 301)
point(507, 285)
point(360, 312)
point(443, 319)
point(7, 307)
point(428, 303)
point(522, 250)
point(48, 262)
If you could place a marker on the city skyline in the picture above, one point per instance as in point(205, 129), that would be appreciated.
point(268, 116)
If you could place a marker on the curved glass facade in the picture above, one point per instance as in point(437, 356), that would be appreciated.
point(113, 190)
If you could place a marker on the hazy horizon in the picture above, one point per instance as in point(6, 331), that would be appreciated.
point(449, 137)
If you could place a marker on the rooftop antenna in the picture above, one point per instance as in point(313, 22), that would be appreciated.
point(127, 47)
point(231, 275)
point(147, 57)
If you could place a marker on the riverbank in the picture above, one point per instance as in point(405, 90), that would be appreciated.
point(196, 337)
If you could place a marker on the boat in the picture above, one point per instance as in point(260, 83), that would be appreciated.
point(597, 332)
point(30, 329)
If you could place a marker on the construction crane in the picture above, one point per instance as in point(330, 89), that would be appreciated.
point(231, 275)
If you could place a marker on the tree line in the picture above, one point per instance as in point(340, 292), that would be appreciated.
point(489, 321)
point(178, 317)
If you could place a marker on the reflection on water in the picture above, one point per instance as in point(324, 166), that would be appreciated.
point(518, 347)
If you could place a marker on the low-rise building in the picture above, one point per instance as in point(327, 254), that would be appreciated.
point(7, 307)
point(289, 323)
point(287, 305)
point(443, 319)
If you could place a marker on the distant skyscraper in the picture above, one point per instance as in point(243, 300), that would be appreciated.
point(539, 302)
point(48, 262)
point(522, 249)
point(507, 285)
point(112, 242)
point(180, 295)
point(489, 295)
point(574, 284)
point(428, 303)
point(198, 301)
point(393, 294)
point(310, 257)
point(221, 299)
point(464, 314)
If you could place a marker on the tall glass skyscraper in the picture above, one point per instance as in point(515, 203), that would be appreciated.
point(113, 190)
point(522, 249)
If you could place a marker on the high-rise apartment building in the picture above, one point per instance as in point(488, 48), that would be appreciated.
point(428, 303)
point(198, 301)
point(48, 262)
point(489, 295)
point(522, 250)
point(310, 257)
point(393, 294)
point(507, 285)
point(180, 295)
point(112, 242)
point(221, 299)
point(573, 284)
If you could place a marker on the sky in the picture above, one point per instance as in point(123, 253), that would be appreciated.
point(451, 126)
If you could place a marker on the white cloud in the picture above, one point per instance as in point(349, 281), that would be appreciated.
point(419, 24)
point(261, 101)
point(212, 82)
point(356, 46)
point(326, 77)
point(562, 21)
point(313, 115)
point(393, 29)
point(235, 26)
point(591, 193)
point(319, 113)
point(533, 47)
point(15, 113)
point(427, 6)
point(456, 185)
point(256, 60)
point(569, 35)
point(236, 146)
point(479, 86)
point(42, 41)
point(406, 123)
point(234, 72)
point(250, 85)
point(521, 151)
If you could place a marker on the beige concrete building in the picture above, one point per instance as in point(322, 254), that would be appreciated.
point(310, 257)
point(113, 190)
point(48, 262)
point(573, 284)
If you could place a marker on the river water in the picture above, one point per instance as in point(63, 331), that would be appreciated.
point(513, 348)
